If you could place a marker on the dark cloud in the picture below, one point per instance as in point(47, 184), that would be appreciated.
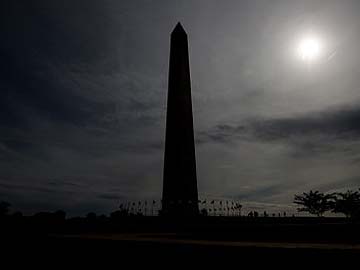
point(45, 40)
point(63, 31)
point(351, 183)
point(260, 192)
point(111, 197)
point(60, 183)
point(337, 124)
point(25, 188)
point(57, 77)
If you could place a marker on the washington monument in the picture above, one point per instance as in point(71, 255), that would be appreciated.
point(180, 194)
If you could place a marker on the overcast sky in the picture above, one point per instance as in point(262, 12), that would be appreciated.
point(83, 100)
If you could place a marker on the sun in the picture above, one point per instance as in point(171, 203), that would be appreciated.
point(309, 48)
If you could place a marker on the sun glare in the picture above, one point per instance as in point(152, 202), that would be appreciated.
point(309, 49)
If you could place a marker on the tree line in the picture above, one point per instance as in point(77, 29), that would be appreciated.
point(318, 203)
point(313, 202)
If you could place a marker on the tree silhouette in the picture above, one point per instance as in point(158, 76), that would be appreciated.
point(348, 203)
point(4, 208)
point(91, 216)
point(316, 203)
point(60, 215)
point(204, 212)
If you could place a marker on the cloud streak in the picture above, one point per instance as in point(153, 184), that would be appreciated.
point(331, 125)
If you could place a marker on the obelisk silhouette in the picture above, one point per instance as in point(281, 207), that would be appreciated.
point(180, 194)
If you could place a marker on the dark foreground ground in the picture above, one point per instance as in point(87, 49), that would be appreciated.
point(154, 242)
point(65, 252)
